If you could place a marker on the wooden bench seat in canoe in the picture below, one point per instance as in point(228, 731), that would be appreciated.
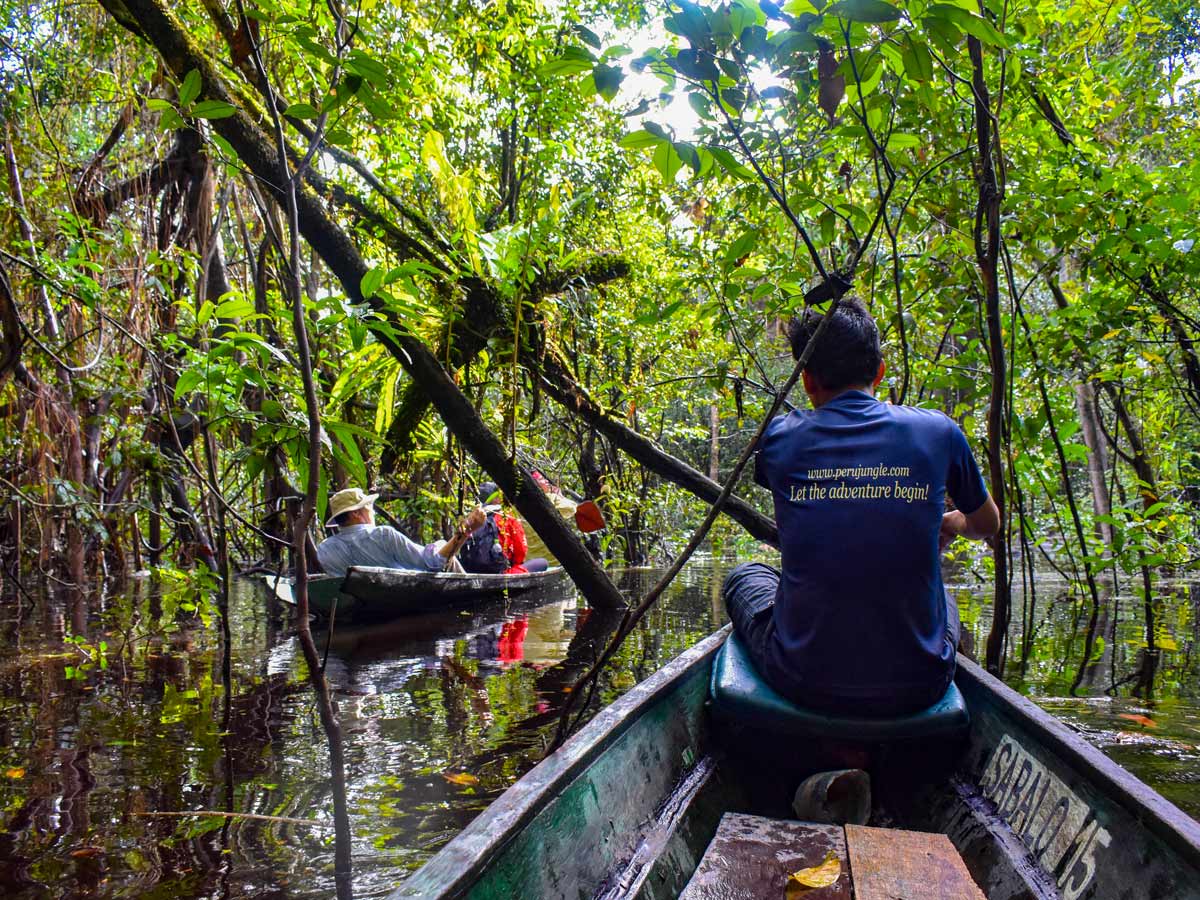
point(753, 858)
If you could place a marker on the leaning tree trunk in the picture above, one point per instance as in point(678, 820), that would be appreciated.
point(558, 383)
point(152, 20)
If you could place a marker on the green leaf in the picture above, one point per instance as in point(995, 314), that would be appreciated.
point(170, 121)
point(376, 105)
point(656, 129)
point(868, 79)
point(234, 308)
point(372, 282)
point(586, 35)
point(695, 64)
point(573, 61)
point(658, 315)
point(740, 248)
point(918, 61)
point(734, 98)
point(800, 8)
point(368, 67)
point(968, 22)
point(345, 448)
point(158, 104)
point(224, 146)
point(204, 313)
point(687, 152)
point(188, 381)
point(213, 109)
point(640, 140)
point(865, 11)
point(301, 111)
point(899, 141)
point(729, 163)
point(203, 825)
point(608, 81)
point(691, 23)
point(190, 89)
point(667, 161)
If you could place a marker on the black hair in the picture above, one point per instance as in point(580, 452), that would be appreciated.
point(487, 491)
point(848, 354)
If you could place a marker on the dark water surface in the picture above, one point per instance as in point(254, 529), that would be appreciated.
point(113, 710)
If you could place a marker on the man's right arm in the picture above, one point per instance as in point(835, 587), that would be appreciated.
point(977, 526)
point(965, 485)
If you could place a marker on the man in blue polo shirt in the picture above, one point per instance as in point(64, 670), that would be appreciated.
point(858, 622)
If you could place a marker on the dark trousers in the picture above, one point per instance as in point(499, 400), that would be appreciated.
point(749, 594)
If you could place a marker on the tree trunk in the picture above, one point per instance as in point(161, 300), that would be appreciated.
point(559, 384)
point(987, 256)
point(160, 26)
point(714, 443)
point(1089, 426)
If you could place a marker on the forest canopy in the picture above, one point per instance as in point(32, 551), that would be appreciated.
point(255, 252)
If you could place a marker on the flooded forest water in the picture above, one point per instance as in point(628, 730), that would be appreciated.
point(119, 712)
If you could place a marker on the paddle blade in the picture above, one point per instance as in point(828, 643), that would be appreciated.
point(588, 517)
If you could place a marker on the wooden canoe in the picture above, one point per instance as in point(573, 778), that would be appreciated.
point(375, 593)
point(627, 807)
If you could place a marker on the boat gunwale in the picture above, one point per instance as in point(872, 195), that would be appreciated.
point(509, 813)
point(1151, 809)
point(412, 579)
point(384, 574)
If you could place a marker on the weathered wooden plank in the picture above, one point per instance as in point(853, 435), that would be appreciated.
point(887, 863)
point(751, 858)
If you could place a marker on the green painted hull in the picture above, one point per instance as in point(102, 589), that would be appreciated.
point(628, 805)
point(369, 593)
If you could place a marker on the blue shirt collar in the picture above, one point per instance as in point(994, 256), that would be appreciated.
point(851, 397)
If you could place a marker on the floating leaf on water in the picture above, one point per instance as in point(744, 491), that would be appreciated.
point(800, 883)
point(1144, 721)
point(86, 852)
point(463, 778)
point(17, 772)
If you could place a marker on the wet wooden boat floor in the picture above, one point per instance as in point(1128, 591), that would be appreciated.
point(752, 857)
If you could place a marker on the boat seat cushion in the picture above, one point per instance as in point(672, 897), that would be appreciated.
point(740, 694)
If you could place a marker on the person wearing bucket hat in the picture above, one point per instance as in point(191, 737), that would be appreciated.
point(360, 542)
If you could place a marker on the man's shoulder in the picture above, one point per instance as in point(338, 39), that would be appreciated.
point(383, 533)
point(920, 417)
point(784, 425)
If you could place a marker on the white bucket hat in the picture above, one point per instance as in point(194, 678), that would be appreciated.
point(348, 500)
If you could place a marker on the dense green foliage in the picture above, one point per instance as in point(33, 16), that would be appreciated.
point(543, 206)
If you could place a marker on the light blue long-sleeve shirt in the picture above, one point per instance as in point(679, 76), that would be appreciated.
point(376, 545)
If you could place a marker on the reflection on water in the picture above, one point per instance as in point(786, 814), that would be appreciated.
point(113, 712)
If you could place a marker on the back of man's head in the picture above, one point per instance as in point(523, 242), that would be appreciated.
point(847, 354)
